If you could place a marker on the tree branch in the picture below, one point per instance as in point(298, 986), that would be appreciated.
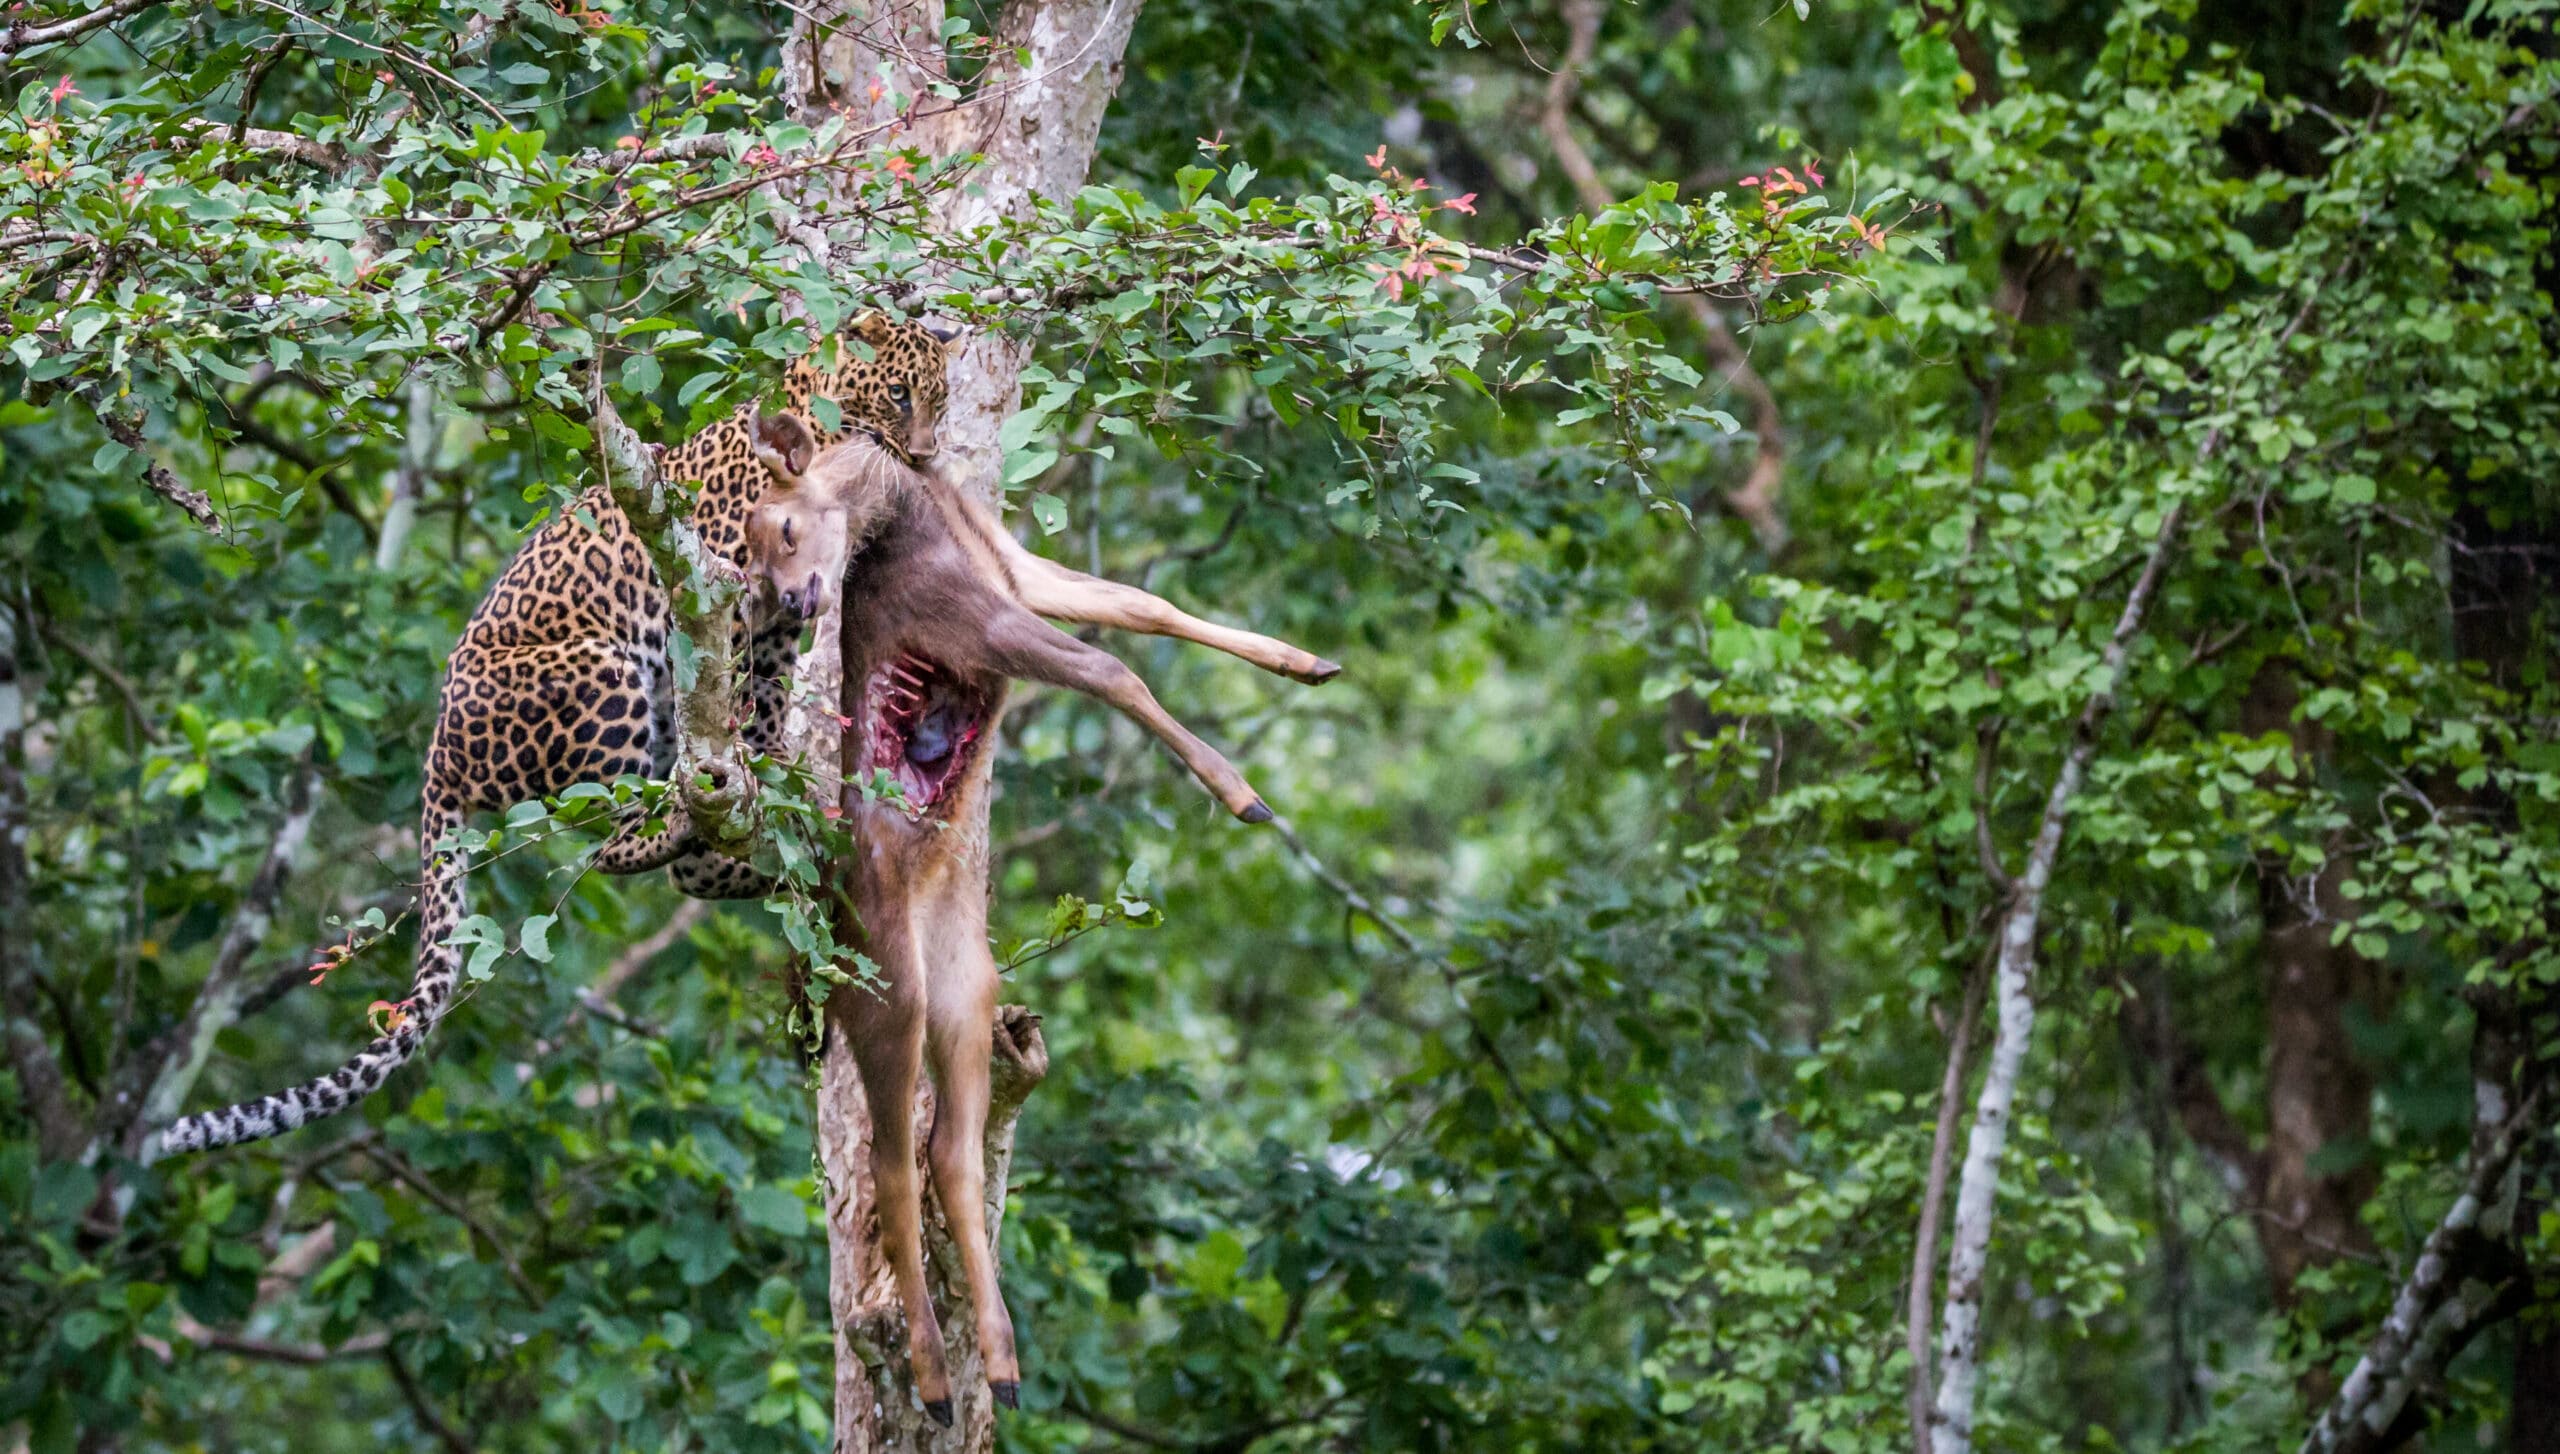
point(1360, 904)
point(2440, 1305)
point(1755, 501)
point(172, 1073)
point(197, 505)
point(97, 662)
point(425, 1411)
point(1933, 1194)
point(327, 156)
point(399, 1167)
point(710, 775)
point(25, 35)
point(59, 1131)
point(306, 1354)
point(1959, 1347)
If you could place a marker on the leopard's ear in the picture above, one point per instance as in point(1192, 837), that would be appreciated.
point(871, 326)
point(785, 446)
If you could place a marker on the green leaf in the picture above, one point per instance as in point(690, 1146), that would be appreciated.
point(775, 1209)
point(685, 657)
point(1050, 511)
point(82, 1330)
point(534, 938)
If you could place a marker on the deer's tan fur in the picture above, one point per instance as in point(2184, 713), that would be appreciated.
point(942, 609)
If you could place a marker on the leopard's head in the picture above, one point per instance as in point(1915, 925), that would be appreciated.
point(896, 394)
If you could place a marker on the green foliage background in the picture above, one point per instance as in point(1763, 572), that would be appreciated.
point(1616, 1141)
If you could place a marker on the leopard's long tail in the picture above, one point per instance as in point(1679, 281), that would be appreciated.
point(440, 909)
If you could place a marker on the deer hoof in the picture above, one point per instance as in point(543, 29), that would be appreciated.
point(939, 1410)
point(1320, 673)
point(1257, 812)
point(1007, 1392)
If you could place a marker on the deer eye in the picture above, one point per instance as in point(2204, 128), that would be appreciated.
point(790, 534)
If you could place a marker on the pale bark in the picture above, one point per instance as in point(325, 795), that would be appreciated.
point(409, 479)
point(1933, 1195)
point(2013, 973)
point(2445, 1298)
point(28, 34)
point(217, 1002)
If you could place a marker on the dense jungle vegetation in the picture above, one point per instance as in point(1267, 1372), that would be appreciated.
point(1949, 621)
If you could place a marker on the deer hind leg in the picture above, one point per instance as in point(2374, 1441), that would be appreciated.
point(1063, 594)
point(885, 1028)
point(959, 1037)
point(1022, 645)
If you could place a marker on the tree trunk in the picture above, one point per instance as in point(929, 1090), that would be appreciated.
point(2319, 1095)
point(1033, 123)
point(2508, 550)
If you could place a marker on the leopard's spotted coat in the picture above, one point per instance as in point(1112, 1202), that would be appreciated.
point(562, 677)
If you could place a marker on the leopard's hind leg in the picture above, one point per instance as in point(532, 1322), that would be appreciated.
point(704, 874)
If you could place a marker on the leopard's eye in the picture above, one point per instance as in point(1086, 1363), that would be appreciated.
point(898, 393)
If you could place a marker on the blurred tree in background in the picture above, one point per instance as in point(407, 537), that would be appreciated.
point(2136, 551)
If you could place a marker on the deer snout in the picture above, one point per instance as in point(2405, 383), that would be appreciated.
point(809, 599)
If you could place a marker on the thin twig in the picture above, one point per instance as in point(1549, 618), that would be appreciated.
point(446, 1434)
point(106, 670)
point(362, 1345)
point(398, 1165)
point(1924, 1251)
point(399, 56)
point(1361, 904)
point(197, 505)
point(1755, 501)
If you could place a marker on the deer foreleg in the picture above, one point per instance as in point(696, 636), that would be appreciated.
point(959, 1037)
point(885, 1026)
point(1022, 645)
point(1062, 594)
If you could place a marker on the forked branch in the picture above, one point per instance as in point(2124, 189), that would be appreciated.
point(2441, 1303)
point(710, 777)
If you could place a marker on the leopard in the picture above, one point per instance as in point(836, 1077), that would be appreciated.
point(563, 676)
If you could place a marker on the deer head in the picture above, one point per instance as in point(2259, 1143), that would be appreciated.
point(799, 534)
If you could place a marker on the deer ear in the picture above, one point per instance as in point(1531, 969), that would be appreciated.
point(945, 331)
point(785, 446)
